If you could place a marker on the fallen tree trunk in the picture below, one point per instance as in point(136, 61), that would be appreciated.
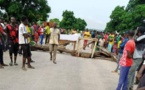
point(103, 52)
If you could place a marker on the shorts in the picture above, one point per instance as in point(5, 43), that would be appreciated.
point(13, 48)
point(26, 50)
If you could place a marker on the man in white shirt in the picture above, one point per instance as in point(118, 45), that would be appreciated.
point(54, 38)
point(23, 41)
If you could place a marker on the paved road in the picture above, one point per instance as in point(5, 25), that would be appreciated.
point(70, 73)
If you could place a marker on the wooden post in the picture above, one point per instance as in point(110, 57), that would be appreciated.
point(94, 49)
point(74, 45)
point(78, 48)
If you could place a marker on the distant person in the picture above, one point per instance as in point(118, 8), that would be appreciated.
point(87, 35)
point(111, 42)
point(47, 32)
point(93, 35)
point(41, 33)
point(53, 42)
point(23, 41)
point(126, 62)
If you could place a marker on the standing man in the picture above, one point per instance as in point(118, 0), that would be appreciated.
point(137, 57)
point(23, 41)
point(126, 61)
point(121, 48)
point(54, 38)
point(1, 48)
point(12, 32)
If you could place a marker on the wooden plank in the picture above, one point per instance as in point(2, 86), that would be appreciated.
point(94, 49)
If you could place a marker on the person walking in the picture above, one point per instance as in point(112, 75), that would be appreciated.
point(54, 38)
point(126, 61)
point(23, 41)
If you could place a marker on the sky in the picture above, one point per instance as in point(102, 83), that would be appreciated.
point(95, 12)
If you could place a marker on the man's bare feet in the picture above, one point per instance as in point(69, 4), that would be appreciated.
point(114, 71)
point(54, 62)
point(23, 68)
point(31, 67)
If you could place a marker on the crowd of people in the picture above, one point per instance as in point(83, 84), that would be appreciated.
point(129, 46)
point(18, 37)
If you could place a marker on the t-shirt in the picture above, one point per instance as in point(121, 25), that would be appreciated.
point(87, 35)
point(54, 35)
point(29, 31)
point(22, 30)
point(111, 39)
point(47, 30)
point(125, 61)
point(118, 46)
point(101, 42)
point(12, 32)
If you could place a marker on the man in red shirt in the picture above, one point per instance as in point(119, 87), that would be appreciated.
point(12, 32)
point(126, 62)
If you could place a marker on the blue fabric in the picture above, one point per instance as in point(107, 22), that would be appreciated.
point(41, 39)
point(122, 45)
point(123, 79)
point(110, 47)
point(93, 35)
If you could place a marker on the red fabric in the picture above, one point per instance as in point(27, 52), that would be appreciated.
point(85, 42)
point(40, 31)
point(125, 61)
point(36, 36)
point(13, 33)
point(106, 38)
point(1, 31)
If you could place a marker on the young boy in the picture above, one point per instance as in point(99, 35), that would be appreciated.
point(126, 62)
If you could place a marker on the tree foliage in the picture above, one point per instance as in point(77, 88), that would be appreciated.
point(131, 17)
point(69, 21)
point(56, 20)
point(33, 9)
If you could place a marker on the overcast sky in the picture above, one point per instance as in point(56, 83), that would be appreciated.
point(95, 12)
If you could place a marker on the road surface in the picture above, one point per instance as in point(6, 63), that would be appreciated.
point(70, 73)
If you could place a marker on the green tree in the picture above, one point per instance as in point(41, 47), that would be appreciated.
point(116, 19)
point(34, 9)
point(56, 20)
point(129, 18)
point(133, 3)
point(69, 21)
point(80, 24)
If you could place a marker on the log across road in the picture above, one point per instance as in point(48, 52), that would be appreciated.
point(70, 73)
